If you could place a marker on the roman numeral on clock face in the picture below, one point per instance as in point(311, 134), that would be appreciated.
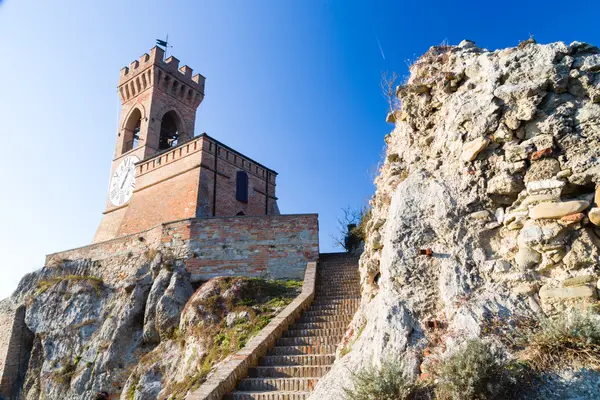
point(123, 181)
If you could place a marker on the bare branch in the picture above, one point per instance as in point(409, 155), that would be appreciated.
point(388, 90)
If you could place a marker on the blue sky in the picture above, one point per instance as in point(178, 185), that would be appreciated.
point(292, 84)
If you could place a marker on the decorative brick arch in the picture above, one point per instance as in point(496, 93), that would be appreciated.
point(180, 120)
point(139, 107)
point(131, 127)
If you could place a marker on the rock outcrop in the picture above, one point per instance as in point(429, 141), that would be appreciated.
point(482, 207)
point(134, 326)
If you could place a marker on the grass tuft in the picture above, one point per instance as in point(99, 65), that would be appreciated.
point(569, 340)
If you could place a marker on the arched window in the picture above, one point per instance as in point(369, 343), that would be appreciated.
point(169, 131)
point(132, 131)
point(241, 186)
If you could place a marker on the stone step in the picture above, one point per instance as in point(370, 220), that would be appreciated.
point(339, 295)
point(288, 371)
point(324, 318)
point(324, 313)
point(321, 325)
point(343, 267)
point(333, 307)
point(338, 302)
point(353, 300)
point(338, 286)
point(287, 384)
point(314, 332)
point(334, 293)
point(335, 302)
point(321, 359)
point(302, 350)
point(327, 305)
point(306, 350)
point(308, 340)
point(344, 303)
point(271, 395)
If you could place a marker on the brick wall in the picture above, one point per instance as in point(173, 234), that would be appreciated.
point(179, 184)
point(15, 345)
point(277, 246)
point(261, 182)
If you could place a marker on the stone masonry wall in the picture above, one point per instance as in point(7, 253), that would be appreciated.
point(15, 345)
point(274, 246)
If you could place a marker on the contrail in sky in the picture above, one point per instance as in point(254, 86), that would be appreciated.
point(379, 44)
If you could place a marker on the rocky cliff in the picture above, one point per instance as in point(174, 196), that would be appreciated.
point(134, 326)
point(485, 211)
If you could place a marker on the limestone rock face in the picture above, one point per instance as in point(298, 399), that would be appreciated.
point(113, 325)
point(512, 134)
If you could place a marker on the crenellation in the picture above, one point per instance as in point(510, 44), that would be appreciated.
point(186, 71)
point(144, 58)
point(168, 70)
point(172, 63)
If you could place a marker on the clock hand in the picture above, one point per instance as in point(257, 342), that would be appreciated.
point(124, 179)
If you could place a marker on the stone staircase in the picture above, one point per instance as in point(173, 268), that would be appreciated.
point(305, 352)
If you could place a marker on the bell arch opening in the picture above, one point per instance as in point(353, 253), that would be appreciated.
point(132, 131)
point(170, 130)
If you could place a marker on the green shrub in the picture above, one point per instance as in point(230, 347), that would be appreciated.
point(387, 383)
point(478, 371)
point(569, 340)
point(361, 228)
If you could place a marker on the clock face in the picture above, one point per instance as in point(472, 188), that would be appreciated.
point(123, 181)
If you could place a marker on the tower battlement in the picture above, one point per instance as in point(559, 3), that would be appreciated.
point(151, 70)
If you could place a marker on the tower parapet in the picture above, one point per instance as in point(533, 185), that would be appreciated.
point(150, 70)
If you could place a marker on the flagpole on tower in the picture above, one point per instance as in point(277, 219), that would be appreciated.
point(165, 44)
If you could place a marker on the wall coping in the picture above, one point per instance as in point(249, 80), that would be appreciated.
point(225, 378)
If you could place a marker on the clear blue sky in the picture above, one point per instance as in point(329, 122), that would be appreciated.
point(292, 84)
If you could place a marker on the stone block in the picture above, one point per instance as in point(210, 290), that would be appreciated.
point(555, 210)
point(568, 293)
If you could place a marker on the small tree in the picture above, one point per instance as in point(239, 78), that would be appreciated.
point(346, 237)
point(351, 228)
point(388, 90)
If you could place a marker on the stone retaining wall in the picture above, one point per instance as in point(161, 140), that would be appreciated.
point(224, 379)
point(15, 345)
point(277, 246)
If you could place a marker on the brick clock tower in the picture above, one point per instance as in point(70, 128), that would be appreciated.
point(160, 171)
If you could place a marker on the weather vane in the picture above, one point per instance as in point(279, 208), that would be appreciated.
point(164, 43)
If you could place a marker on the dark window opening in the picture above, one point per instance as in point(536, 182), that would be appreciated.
point(241, 189)
point(132, 131)
point(169, 131)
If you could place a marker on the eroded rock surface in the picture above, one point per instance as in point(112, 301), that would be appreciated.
point(496, 160)
point(133, 326)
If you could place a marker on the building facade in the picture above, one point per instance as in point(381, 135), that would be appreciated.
point(160, 171)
